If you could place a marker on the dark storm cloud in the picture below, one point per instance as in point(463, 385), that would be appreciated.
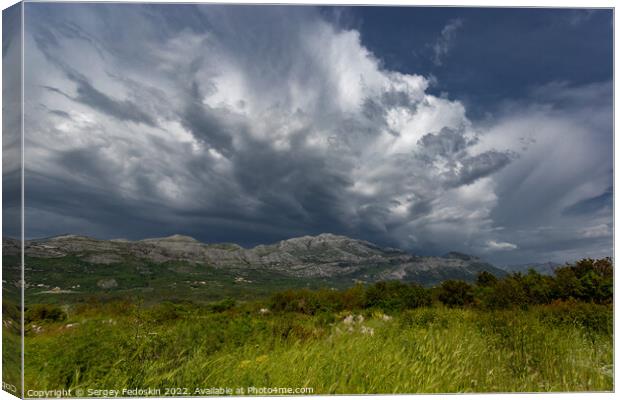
point(81, 208)
point(451, 145)
point(297, 187)
point(445, 143)
point(249, 125)
point(11, 121)
point(71, 30)
point(591, 205)
point(205, 123)
point(121, 109)
point(60, 113)
point(480, 166)
point(57, 91)
point(377, 109)
point(87, 94)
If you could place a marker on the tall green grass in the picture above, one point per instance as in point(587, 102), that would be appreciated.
point(426, 350)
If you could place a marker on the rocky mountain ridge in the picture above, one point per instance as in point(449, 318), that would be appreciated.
point(322, 256)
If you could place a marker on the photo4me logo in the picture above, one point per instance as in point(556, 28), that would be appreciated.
point(278, 390)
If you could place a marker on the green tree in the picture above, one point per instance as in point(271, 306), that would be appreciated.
point(485, 279)
point(396, 295)
point(455, 293)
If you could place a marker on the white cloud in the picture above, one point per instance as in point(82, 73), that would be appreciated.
point(492, 245)
point(597, 231)
point(444, 41)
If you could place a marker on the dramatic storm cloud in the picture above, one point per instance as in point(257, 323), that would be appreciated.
point(253, 124)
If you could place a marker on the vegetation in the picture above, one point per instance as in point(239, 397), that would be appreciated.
point(524, 332)
point(44, 312)
point(148, 281)
point(12, 346)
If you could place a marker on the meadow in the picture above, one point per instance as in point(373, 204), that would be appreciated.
point(425, 350)
point(390, 337)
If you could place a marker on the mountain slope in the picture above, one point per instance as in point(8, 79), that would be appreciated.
point(178, 263)
point(547, 268)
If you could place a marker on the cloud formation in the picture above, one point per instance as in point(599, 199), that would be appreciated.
point(500, 246)
point(444, 41)
point(256, 124)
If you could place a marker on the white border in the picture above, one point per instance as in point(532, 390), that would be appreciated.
point(454, 3)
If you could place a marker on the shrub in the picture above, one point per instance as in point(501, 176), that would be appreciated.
point(538, 288)
point(590, 316)
point(393, 295)
point(423, 317)
point(293, 329)
point(485, 279)
point(396, 295)
point(10, 311)
point(566, 284)
point(587, 279)
point(163, 312)
point(455, 293)
point(354, 297)
point(313, 302)
point(44, 312)
point(294, 301)
point(116, 307)
point(222, 305)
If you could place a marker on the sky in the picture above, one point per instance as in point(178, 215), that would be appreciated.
point(485, 131)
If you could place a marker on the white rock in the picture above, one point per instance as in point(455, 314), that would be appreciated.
point(367, 331)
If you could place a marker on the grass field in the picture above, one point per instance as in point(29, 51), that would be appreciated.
point(424, 350)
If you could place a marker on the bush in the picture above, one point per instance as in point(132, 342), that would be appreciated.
point(423, 317)
point(566, 284)
point(485, 279)
point(592, 317)
point(113, 306)
point(455, 293)
point(303, 301)
point(396, 295)
point(538, 288)
point(294, 329)
point(388, 296)
point(163, 312)
point(588, 280)
point(10, 311)
point(44, 312)
point(506, 293)
point(354, 297)
point(222, 305)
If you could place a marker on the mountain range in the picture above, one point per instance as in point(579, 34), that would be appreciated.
point(546, 268)
point(322, 256)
